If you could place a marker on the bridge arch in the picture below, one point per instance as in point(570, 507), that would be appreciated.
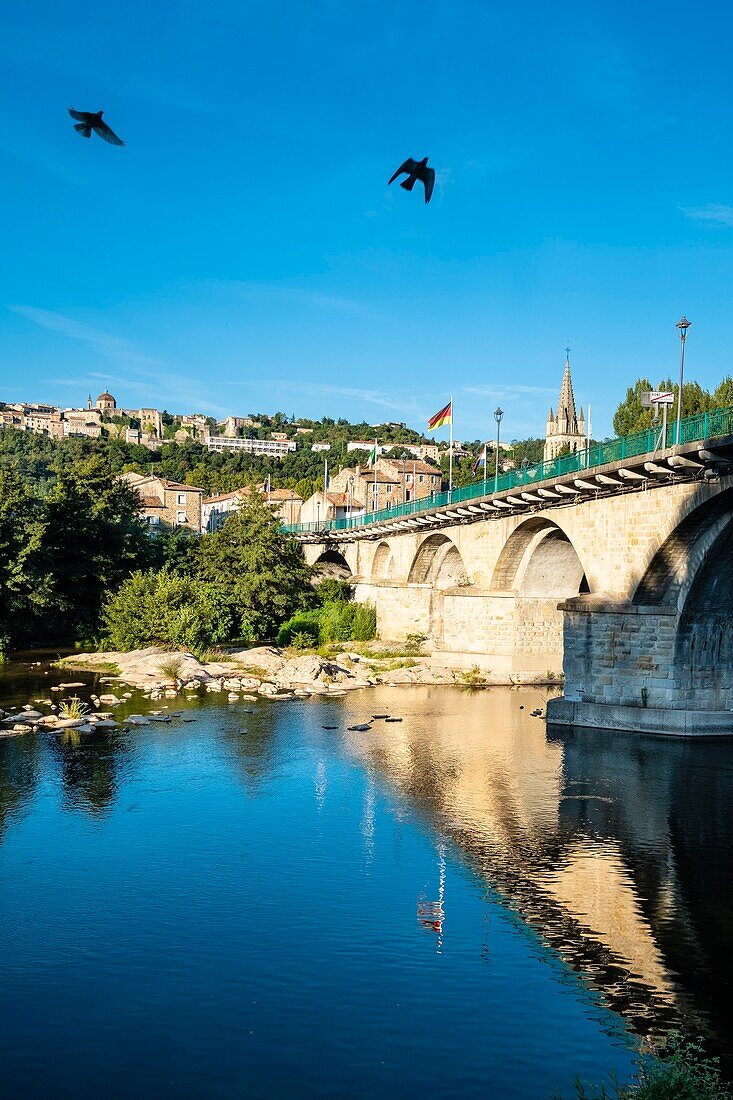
point(383, 565)
point(332, 563)
point(539, 560)
point(673, 569)
point(438, 562)
point(703, 653)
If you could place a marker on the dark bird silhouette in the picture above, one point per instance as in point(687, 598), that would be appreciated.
point(417, 170)
point(92, 120)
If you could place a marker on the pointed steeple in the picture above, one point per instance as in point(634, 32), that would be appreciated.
point(566, 403)
point(565, 429)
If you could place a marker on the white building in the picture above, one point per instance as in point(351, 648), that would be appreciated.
point(214, 510)
point(317, 447)
point(368, 446)
point(276, 448)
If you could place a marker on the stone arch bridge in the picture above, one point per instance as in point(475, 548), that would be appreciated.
point(622, 577)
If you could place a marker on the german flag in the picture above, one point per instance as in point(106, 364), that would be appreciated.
point(442, 417)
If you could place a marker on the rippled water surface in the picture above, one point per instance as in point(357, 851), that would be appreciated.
point(246, 903)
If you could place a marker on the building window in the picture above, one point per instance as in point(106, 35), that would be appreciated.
point(181, 498)
point(389, 490)
point(421, 478)
point(180, 517)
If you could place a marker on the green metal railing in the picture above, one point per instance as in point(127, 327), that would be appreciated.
point(709, 425)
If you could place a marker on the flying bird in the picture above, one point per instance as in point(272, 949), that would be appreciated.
point(417, 170)
point(92, 120)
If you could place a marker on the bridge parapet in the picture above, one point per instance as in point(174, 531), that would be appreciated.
point(630, 464)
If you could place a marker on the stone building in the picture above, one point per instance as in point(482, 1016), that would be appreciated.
point(214, 510)
point(82, 422)
point(106, 403)
point(330, 506)
point(565, 428)
point(167, 503)
point(151, 422)
point(359, 482)
point(286, 503)
point(417, 479)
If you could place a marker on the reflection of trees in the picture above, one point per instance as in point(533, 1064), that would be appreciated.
point(89, 768)
point(609, 845)
point(19, 768)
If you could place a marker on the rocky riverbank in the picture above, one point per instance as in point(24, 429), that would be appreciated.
point(263, 671)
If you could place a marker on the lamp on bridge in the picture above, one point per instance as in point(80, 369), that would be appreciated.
point(682, 326)
point(498, 416)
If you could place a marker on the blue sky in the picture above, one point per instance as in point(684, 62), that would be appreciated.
point(244, 253)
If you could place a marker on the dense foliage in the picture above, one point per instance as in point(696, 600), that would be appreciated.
point(161, 608)
point(631, 416)
point(333, 621)
point(256, 572)
point(60, 554)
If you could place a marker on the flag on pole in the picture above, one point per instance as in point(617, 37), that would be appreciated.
point(444, 416)
point(373, 455)
point(480, 461)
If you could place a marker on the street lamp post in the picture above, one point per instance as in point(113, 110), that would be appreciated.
point(318, 515)
point(682, 326)
point(498, 415)
point(350, 484)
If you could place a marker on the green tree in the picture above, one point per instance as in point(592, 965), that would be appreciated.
point(92, 540)
point(631, 416)
point(723, 395)
point(258, 572)
point(22, 583)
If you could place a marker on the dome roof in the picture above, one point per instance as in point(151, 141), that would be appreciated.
point(106, 396)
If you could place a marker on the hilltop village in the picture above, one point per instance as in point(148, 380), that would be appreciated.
point(309, 471)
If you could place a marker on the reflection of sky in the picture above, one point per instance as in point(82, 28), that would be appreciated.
point(235, 924)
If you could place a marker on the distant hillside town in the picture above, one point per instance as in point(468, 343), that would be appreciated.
point(365, 467)
point(154, 429)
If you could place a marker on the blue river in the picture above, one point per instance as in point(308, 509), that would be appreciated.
point(243, 902)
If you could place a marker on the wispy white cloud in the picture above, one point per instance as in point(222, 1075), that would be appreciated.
point(715, 212)
point(110, 346)
point(394, 402)
point(140, 374)
point(507, 393)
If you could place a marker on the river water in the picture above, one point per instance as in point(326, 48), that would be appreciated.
point(247, 903)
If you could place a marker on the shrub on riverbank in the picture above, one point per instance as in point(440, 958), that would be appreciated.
point(335, 621)
point(683, 1072)
point(166, 610)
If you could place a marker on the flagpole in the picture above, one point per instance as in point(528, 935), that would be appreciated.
point(376, 457)
point(484, 469)
point(325, 486)
point(450, 457)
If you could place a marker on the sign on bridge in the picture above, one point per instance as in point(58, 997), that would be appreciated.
point(657, 397)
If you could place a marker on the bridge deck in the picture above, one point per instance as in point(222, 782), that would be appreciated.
point(618, 465)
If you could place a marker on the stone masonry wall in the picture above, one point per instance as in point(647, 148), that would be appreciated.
point(620, 654)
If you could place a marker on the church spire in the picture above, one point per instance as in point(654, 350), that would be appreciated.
point(566, 403)
point(565, 429)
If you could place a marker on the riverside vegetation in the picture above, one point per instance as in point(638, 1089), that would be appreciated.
point(79, 568)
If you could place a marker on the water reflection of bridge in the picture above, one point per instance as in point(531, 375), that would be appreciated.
point(616, 852)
